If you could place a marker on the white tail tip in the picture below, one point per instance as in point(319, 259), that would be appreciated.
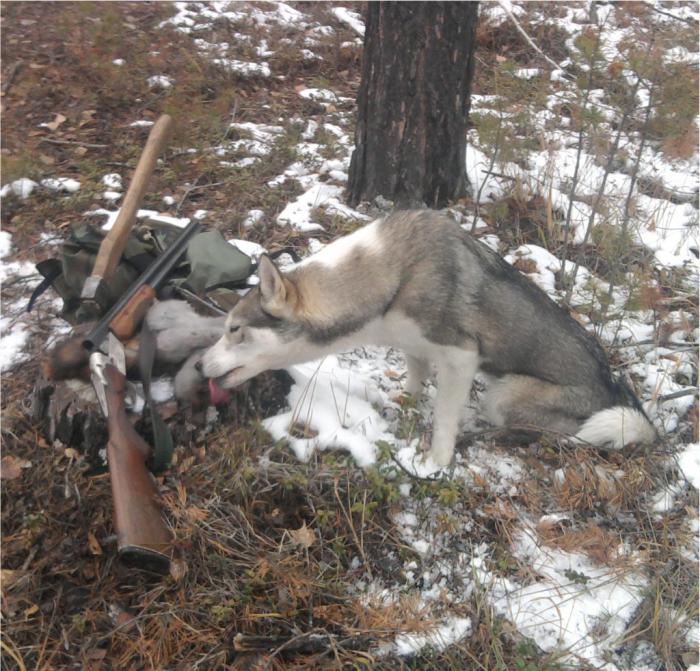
point(617, 427)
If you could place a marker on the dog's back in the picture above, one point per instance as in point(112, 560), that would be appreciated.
point(551, 372)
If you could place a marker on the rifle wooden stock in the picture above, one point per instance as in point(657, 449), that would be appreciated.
point(124, 325)
point(143, 539)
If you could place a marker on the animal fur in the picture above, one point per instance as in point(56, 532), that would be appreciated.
point(415, 280)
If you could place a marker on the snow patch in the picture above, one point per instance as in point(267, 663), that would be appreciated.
point(21, 187)
point(61, 184)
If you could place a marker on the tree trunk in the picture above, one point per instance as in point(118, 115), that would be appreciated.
point(413, 103)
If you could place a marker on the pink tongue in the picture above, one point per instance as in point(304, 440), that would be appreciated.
point(217, 395)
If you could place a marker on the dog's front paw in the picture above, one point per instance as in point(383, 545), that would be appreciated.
point(440, 456)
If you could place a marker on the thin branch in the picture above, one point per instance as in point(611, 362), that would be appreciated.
point(74, 142)
point(10, 78)
point(497, 146)
point(612, 153)
point(656, 343)
point(579, 152)
point(506, 8)
point(689, 21)
point(691, 391)
point(635, 170)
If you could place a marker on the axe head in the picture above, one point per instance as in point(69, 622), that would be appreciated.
point(95, 299)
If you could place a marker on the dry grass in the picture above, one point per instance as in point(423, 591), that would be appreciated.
point(266, 547)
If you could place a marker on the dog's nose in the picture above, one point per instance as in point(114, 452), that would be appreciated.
point(198, 366)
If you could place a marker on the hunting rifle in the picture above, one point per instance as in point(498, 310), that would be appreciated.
point(70, 358)
point(143, 540)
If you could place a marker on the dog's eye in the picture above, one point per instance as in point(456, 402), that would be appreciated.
point(233, 329)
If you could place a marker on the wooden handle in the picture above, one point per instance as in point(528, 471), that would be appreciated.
point(113, 245)
point(137, 515)
point(124, 325)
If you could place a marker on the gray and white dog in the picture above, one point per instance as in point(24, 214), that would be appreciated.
point(415, 280)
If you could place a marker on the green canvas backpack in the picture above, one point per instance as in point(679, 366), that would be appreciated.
point(212, 268)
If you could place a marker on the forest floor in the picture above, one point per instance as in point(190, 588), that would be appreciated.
point(320, 530)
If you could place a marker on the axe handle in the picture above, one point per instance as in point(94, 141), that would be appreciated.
point(113, 245)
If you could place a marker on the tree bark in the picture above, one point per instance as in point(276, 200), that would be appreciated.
point(413, 103)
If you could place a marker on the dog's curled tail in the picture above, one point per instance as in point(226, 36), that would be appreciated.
point(617, 427)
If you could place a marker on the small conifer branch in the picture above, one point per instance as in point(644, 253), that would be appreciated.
point(505, 6)
point(612, 153)
point(579, 152)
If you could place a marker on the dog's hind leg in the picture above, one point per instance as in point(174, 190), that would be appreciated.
point(455, 374)
point(418, 370)
point(529, 406)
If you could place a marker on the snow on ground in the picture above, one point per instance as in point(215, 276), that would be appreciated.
point(337, 407)
point(567, 603)
point(13, 332)
point(568, 597)
point(21, 187)
point(571, 604)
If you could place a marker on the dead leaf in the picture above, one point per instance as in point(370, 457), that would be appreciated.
point(58, 120)
point(71, 453)
point(178, 569)
point(121, 617)
point(93, 544)
point(80, 151)
point(261, 569)
point(479, 480)
point(86, 117)
point(527, 266)
point(11, 467)
point(47, 160)
point(331, 108)
point(392, 374)
point(9, 577)
point(30, 611)
point(332, 612)
point(304, 536)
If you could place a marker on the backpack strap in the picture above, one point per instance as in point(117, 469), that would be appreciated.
point(162, 439)
point(51, 269)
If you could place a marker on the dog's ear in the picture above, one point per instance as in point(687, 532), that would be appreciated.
point(273, 292)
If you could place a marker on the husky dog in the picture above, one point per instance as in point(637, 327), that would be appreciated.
point(415, 280)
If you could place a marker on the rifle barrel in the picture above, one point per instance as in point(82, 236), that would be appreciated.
point(153, 276)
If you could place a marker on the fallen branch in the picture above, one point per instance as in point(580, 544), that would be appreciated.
point(689, 21)
point(655, 189)
point(304, 643)
point(639, 343)
point(9, 80)
point(506, 8)
point(89, 145)
point(690, 391)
